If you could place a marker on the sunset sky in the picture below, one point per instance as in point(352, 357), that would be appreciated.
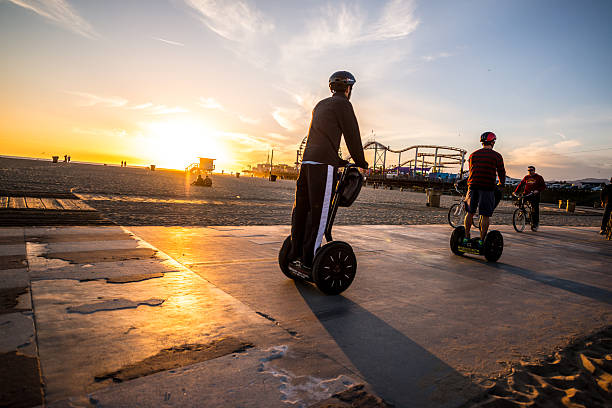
point(164, 82)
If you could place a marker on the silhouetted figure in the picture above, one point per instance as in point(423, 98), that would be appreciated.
point(202, 182)
point(65, 158)
point(68, 159)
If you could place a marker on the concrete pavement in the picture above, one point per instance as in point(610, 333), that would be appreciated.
point(150, 316)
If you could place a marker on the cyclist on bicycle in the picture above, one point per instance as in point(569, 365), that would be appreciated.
point(606, 202)
point(533, 184)
point(484, 164)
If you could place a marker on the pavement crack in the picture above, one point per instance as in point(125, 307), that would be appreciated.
point(113, 304)
point(293, 333)
point(175, 357)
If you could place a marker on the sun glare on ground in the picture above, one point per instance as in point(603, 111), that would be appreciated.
point(174, 144)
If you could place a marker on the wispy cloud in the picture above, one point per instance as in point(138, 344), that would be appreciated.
point(168, 41)
point(567, 144)
point(437, 56)
point(106, 133)
point(250, 121)
point(166, 110)
point(290, 119)
point(209, 103)
point(396, 21)
point(89, 99)
point(61, 13)
point(234, 20)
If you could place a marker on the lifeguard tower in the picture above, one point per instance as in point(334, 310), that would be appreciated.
point(205, 166)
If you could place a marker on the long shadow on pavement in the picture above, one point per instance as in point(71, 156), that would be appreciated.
point(578, 288)
point(400, 371)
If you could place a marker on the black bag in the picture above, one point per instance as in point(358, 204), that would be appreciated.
point(350, 188)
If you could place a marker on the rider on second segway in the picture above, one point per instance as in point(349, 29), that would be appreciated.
point(331, 118)
point(483, 195)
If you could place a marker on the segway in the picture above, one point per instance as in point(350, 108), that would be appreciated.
point(334, 265)
point(492, 245)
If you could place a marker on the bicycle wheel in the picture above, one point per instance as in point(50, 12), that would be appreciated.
point(519, 219)
point(456, 215)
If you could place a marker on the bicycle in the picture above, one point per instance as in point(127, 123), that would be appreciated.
point(457, 211)
point(523, 215)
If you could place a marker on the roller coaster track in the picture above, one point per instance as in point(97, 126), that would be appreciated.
point(443, 156)
point(434, 156)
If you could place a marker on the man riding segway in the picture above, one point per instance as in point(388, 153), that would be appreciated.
point(331, 118)
point(483, 195)
point(484, 163)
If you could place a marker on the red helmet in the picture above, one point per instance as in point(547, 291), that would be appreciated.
point(488, 137)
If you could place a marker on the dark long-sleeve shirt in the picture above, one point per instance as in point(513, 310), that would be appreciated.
point(331, 118)
point(484, 164)
point(605, 193)
point(531, 183)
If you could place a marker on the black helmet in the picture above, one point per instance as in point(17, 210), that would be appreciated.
point(340, 80)
point(488, 137)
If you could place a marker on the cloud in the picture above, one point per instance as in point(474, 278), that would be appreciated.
point(166, 110)
point(439, 55)
point(567, 144)
point(340, 26)
point(250, 121)
point(89, 99)
point(277, 136)
point(142, 106)
point(397, 21)
point(168, 41)
point(209, 103)
point(105, 133)
point(61, 13)
point(233, 20)
point(290, 119)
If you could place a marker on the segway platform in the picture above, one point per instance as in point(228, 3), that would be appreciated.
point(335, 265)
point(492, 246)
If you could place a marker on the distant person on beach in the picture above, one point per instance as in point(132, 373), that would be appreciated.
point(68, 159)
point(65, 158)
point(331, 118)
point(484, 164)
point(532, 183)
point(605, 194)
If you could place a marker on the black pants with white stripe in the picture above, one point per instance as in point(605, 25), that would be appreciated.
point(310, 210)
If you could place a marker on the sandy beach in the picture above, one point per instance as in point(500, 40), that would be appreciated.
point(138, 196)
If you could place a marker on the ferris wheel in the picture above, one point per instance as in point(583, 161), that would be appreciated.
point(300, 152)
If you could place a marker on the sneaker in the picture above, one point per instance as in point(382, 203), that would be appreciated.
point(602, 232)
point(466, 241)
point(534, 229)
point(479, 243)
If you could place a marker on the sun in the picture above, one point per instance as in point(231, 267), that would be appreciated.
point(174, 144)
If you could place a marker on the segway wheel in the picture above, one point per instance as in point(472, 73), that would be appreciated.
point(455, 240)
point(283, 258)
point(493, 246)
point(334, 267)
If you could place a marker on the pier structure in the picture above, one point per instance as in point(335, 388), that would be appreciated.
point(418, 159)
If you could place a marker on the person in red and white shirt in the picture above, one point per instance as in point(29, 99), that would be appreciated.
point(532, 183)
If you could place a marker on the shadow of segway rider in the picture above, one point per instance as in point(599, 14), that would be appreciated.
point(331, 118)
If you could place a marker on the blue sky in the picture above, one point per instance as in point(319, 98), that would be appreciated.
point(168, 81)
